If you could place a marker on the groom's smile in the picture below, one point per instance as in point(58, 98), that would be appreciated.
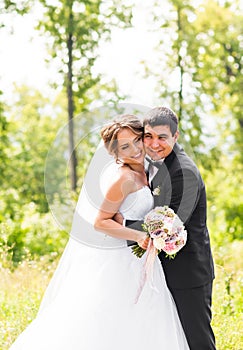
point(159, 141)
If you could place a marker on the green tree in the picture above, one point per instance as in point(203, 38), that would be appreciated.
point(14, 6)
point(75, 29)
point(32, 128)
point(174, 67)
point(4, 142)
point(217, 53)
point(199, 74)
point(30, 185)
point(199, 63)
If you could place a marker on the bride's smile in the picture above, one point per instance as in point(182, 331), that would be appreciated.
point(130, 147)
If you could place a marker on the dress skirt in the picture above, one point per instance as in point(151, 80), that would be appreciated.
point(90, 305)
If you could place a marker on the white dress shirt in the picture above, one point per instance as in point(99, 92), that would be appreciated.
point(152, 169)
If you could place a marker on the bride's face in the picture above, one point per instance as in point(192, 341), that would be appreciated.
point(130, 148)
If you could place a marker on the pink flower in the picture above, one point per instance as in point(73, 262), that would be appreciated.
point(166, 230)
point(163, 224)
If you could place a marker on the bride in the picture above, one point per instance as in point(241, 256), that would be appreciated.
point(90, 303)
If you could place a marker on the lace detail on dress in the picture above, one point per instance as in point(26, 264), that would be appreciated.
point(137, 204)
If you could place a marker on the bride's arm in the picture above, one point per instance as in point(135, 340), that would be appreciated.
point(114, 197)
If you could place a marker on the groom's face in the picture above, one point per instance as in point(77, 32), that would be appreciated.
point(158, 141)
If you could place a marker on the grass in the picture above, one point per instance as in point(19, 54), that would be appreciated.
point(21, 290)
point(228, 297)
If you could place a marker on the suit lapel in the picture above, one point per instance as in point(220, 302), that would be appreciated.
point(164, 169)
point(164, 172)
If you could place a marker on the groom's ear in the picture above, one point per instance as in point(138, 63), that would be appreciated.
point(176, 136)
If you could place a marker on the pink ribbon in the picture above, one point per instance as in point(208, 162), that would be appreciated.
point(147, 270)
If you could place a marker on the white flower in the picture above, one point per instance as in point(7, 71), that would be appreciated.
point(167, 228)
point(156, 191)
point(159, 243)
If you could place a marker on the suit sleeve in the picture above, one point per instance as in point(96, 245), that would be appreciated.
point(136, 225)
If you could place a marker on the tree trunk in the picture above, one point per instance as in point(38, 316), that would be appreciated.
point(72, 151)
point(179, 62)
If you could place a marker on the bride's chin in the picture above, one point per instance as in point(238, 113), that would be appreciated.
point(136, 162)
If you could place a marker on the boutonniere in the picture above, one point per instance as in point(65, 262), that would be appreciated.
point(156, 191)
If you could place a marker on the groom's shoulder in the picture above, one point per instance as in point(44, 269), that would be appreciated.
point(183, 160)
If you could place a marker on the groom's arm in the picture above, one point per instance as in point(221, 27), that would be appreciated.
point(136, 225)
point(183, 194)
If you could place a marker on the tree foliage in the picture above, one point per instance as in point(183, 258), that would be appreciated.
point(31, 130)
point(75, 29)
point(4, 141)
point(14, 6)
point(218, 53)
point(199, 74)
point(198, 69)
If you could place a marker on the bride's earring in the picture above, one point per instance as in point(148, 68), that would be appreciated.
point(119, 161)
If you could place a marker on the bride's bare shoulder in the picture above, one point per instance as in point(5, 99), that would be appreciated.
point(124, 179)
point(125, 173)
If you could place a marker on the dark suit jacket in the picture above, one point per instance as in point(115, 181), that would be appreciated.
point(182, 189)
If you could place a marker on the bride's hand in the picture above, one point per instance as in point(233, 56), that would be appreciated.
point(143, 241)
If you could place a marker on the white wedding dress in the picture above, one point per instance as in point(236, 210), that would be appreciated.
point(90, 301)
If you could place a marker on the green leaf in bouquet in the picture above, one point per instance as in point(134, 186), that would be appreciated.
point(138, 251)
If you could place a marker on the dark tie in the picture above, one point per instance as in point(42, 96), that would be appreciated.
point(153, 162)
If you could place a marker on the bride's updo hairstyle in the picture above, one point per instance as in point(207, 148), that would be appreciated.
point(110, 131)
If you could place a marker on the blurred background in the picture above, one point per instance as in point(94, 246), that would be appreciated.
point(68, 66)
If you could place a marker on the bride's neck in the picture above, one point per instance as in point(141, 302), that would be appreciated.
point(139, 168)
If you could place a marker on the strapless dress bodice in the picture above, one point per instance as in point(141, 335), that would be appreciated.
point(137, 204)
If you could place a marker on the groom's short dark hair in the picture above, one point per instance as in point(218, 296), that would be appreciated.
point(162, 116)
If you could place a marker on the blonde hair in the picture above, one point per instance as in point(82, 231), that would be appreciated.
point(110, 131)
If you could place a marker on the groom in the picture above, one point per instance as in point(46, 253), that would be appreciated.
point(176, 182)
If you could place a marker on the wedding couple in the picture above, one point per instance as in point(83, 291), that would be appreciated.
point(90, 301)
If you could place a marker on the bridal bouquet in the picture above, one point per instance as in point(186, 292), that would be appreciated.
point(166, 231)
